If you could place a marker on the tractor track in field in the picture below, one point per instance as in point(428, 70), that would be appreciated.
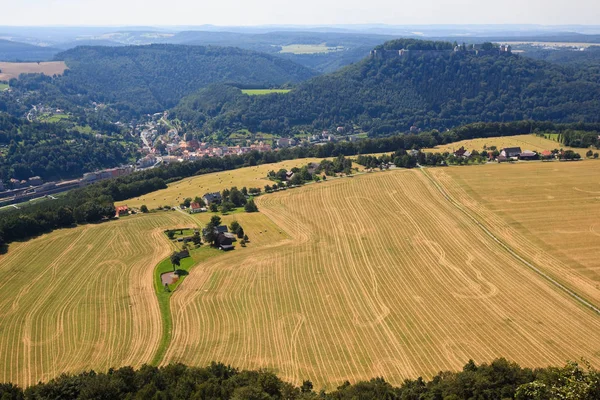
point(506, 247)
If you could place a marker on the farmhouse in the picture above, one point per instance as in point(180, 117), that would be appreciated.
point(196, 208)
point(122, 210)
point(460, 152)
point(546, 154)
point(511, 152)
point(528, 155)
point(210, 198)
point(224, 242)
point(219, 229)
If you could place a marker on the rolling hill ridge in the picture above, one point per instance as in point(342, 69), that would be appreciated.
point(442, 90)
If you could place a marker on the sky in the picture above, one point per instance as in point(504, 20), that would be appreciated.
point(297, 12)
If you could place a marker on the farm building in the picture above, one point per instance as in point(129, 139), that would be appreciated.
point(224, 242)
point(122, 210)
point(461, 153)
point(219, 229)
point(196, 208)
point(546, 154)
point(528, 155)
point(210, 198)
point(510, 152)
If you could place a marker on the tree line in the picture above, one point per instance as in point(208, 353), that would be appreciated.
point(499, 379)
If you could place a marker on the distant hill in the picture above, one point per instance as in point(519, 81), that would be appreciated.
point(440, 91)
point(14, 51)
point(156, 77)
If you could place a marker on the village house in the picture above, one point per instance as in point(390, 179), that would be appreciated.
point(210, 198)
point(546, 154)
point(286, 142)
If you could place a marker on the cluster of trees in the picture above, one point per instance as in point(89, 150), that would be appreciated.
point(311, 172)
point(383, 96)
point(415, 44)
point(51, 151)
point(576, 138)
point(500, 379)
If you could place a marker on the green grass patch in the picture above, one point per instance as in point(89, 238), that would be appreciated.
point(262, 92)
point(551, 136)
point(3, 86)
point(196, 256)
point(179, 233)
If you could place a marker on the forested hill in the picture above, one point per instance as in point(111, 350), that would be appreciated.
point(447, 89)
point(153, 78)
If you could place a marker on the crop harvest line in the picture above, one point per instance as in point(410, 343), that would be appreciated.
point(506, 247)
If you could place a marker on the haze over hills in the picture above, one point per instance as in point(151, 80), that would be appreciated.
point(323, 48)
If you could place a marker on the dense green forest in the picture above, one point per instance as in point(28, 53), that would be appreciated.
point(57, 151)
point(147, 79)
point(383, 96)
point(499, 379)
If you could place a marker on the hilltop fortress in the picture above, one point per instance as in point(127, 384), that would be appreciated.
point(382, 53)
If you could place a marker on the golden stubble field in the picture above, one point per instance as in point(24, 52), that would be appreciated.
point(525, 142)
point(13, 70)
point(82, 298)
point(548, 212)
point(215, 182)
point(375, 275)
point(380, 275)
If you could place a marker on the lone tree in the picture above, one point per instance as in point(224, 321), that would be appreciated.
point(211, 235)
point(144, 209)
point(250, 207)
point(175, 260)
point(234, 226)
point(196, 239)
point(239, 232)
point(171, 234)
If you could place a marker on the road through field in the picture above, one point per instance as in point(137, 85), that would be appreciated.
point(81, 298)
point(376, 275)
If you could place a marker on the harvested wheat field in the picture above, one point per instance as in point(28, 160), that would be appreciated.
point(525, 142)
point(82, 298)
point(379, 275)
point(548, 212)
point(12, 70)
point(216, 182)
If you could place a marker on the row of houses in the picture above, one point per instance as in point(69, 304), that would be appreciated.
point(509, 154)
